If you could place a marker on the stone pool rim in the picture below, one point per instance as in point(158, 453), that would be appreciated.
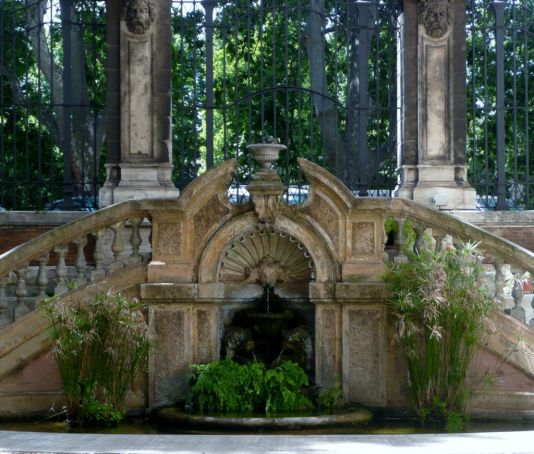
point(176, 416)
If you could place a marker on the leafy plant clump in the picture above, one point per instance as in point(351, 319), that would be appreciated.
point(100, 344)
point(439, 302)
point(228, 387)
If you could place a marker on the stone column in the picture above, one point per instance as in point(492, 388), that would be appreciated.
point(432, 98)
point(145, 165)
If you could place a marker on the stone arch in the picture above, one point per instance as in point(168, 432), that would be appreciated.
point(321, 257)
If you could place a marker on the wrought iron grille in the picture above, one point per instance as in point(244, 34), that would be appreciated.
point(500, 90)
point(52, 95)
point(318, 75)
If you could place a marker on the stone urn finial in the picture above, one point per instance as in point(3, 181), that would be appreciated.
point(265, 154)
point(266, 187)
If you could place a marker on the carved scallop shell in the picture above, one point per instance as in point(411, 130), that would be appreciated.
point(258, 255)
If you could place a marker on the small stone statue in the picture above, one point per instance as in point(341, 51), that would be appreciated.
point(238, 344)
point(297, 345)
point(139, 16)
point(434, 15)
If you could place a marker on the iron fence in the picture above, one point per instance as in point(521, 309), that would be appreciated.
point(52, 93)
point(318, 75)
point(500, 90)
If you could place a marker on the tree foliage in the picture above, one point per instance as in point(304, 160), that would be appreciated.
point(287, 69)
point(518, 59)
point(281, 70)
point(35, 119)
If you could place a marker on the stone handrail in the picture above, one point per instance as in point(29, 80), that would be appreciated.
point(505, 262)
point(22, 285)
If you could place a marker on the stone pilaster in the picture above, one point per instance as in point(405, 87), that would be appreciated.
point(144, 169)
point(432, 101)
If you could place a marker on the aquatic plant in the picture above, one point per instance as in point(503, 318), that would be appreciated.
point(100, 344)
point(228, 387)
point(439, 302)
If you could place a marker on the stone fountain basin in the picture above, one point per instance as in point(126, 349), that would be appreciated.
point(177, 417)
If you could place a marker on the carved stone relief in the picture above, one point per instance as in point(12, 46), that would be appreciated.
point(266, 257)
point(139, 16)
point(325, 215)
point(434, 15)
point(211, 213)
point(170, 238)
point(363, 239)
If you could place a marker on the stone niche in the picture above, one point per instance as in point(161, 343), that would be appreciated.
point(226, 280)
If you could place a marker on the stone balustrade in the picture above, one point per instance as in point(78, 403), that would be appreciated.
point(71, 256)
point(508, 267)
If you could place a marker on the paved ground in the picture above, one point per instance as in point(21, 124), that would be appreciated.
point(487, 443)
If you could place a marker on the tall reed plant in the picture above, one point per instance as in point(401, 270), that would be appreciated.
point(100, 344)
point(439, 302)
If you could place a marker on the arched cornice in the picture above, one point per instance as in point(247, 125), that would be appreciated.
point(321, 179)
point(203, 188)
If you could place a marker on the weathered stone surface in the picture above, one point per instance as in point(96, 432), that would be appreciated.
point(168, 292)
point(363, 355)
point(321, 211)
point(327, 344)
point(169, 364)
point(363, 239)
point(207, 217)
point(206, 334)
point(170, 238)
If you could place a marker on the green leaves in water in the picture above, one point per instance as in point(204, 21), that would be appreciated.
point(100, 343)
point(228, 387)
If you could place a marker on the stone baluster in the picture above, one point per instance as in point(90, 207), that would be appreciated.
point(116, 247)
point(385, 255)
point(21, 292)
point(5, 317)
point(518, 311)
point(401, 242)
point(42, 277)
point(517, 293)
point(61, 269)
point(98, 255)
point(438, 237)
point(419, 238)
point(447, 242)
point(135, 241)
point(429, 242)
point(81, 263)
point(499, 282)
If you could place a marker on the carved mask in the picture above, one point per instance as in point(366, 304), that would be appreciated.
point(434, 15)
point(138, 16)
